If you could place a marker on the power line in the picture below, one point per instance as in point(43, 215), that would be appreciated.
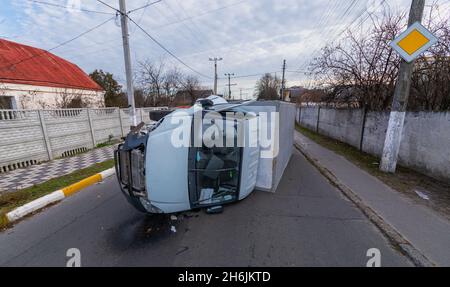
point(107, 5)
point(297, 72)
point(325, 22)
point(156, 41)
point(82, 34)
point(361, 23)
point(68, 7)
point(253, 75)
point(343, 15)
point(383, 2)
point(58, 46)
point(144, 7)
point(138, 22)
point(168, 51)
point(184, 19)
point(201, 14)
point(140, 17)
point(193, 33)
point(347, 27)
point(131, 11)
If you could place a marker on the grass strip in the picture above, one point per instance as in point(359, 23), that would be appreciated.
point(404, 180)
point(12, 200)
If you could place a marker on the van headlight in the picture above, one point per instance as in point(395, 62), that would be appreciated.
point(149, 207)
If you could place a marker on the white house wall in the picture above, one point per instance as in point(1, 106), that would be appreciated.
point(39, 97)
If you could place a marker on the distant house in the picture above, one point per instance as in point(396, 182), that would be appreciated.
point(186, 98)
point(32, 78)
point(293, 93)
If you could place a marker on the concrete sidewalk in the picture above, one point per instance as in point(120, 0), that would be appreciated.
point(426, 230)
point(27, 177)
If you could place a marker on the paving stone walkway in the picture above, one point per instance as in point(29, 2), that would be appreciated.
point(24, 178)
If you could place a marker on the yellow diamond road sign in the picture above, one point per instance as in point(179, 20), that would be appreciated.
point(413, 42)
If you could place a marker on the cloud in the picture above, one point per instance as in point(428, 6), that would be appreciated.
point(252, 36)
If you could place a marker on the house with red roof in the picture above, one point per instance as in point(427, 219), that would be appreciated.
point(32, 78)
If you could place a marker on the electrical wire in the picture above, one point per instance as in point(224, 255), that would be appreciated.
point(326, 21)
point(343, 31)
point(201, 14)
point(167, 50)
point(141, 16)
point(330, 31)
point(354, 21)
point(253, 75)
point(144, 7)
point(57, 46)
point(107, 5)
point(68, 7)
point(188, 27)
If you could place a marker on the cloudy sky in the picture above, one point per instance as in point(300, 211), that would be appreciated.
point(252, 36)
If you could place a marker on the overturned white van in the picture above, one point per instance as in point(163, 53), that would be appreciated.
point(209, 155)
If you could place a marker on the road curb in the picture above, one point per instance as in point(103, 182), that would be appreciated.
point(56, 196)
point(389, 231)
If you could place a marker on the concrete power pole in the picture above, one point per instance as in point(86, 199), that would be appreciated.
point(400, 101)
point(127, 56)
point(283, 80)
point(215, 60)
point(229, 84)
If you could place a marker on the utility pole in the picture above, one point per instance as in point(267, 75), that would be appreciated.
point(400, 101)
point(229, 84)
point(215, 60)
point(283, 80)
point(127, 56)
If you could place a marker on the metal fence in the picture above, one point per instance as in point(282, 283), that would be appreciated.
point(28, 137)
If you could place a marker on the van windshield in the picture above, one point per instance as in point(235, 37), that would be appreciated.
point(214, 175)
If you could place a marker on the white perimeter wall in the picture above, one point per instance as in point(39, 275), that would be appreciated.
point(425, 144)
point(38, 97)
point(31, 136)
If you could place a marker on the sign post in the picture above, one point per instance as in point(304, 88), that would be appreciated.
point(410, 44)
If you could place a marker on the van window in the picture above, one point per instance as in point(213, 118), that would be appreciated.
point(214, 175)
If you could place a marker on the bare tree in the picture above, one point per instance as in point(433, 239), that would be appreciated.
point(28, 100)
point(172, 83)
point(167, 86)
point(430, 84)
point(268, 87)
point(190, 86)
point(363, 67)
point(139, 98)
point(71, 100)
point(151, 79)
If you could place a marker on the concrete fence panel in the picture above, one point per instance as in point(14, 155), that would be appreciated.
point(28, 137)
point(308, 117)
point(375, 132)
point(68, 131)
point(340, 124)
point(425, 144)
point(106, 124)
point(22, 140)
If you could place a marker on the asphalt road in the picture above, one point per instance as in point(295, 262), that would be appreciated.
point(307, 222)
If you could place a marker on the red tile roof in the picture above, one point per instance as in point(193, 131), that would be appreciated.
point(21, 64)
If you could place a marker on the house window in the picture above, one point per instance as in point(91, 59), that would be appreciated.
point(7, 103)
